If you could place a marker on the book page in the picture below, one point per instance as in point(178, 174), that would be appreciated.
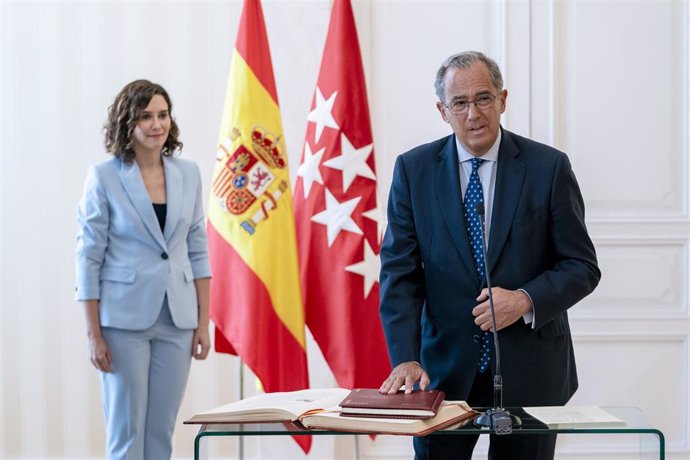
point(465, 406)
point(333, 413)
point(448, 414)
point(293, 402)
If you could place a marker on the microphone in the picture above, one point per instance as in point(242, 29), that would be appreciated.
point(496, 418)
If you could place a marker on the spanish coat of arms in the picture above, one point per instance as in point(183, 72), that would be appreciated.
point(246, 176)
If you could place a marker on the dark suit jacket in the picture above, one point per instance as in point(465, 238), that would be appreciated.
point(538, 243)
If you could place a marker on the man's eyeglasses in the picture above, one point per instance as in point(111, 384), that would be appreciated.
point(482, 102)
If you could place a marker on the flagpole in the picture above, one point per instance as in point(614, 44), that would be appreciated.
point(240, 447)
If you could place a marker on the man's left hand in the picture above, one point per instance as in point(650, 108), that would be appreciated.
point(509, 306)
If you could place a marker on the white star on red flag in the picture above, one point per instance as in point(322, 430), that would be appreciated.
point(352, 162)
point(309, 169)
point(337, 216)
point(369, 268)
point(376, 215)
point(322, 114)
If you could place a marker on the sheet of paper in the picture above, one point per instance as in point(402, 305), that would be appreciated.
point(572, 415)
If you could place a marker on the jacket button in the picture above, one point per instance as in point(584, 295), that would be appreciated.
point(164, 255)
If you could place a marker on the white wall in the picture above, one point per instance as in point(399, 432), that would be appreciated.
point(606, 81)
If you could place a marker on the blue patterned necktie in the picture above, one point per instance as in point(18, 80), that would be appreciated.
point(473, 195)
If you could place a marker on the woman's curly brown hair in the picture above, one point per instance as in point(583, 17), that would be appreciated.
point(124, 114)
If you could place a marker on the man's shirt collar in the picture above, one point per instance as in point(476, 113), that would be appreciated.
point(491, 155)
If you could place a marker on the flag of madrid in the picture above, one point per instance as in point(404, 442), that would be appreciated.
point(337, 215)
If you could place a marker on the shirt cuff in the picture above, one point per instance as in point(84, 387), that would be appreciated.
point(528, 317)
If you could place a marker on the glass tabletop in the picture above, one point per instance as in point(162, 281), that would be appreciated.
point(650, 440)
point(632, 417)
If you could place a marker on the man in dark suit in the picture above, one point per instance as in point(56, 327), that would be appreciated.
point(541, 261)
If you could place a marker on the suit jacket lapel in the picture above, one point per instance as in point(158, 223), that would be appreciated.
point(173, 191)
point(510, 177)
point(130, 176)
point(449, 196)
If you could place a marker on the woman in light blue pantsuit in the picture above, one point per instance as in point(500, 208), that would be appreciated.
point(143, 272)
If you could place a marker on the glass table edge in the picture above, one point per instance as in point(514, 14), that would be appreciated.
point(279, 429)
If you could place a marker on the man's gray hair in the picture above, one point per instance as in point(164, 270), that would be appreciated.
point(464, 61)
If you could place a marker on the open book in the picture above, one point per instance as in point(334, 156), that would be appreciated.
point(286, 406)
point(450, 415)
point(319, 409)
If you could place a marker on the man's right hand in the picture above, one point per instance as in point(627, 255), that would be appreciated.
point(407, 373)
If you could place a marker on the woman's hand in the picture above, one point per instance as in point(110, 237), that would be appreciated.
point(201, 344)
point(99, 354)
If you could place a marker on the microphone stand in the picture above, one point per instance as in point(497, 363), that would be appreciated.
point(497, 418)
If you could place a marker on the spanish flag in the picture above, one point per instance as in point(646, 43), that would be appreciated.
point(256, 304)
